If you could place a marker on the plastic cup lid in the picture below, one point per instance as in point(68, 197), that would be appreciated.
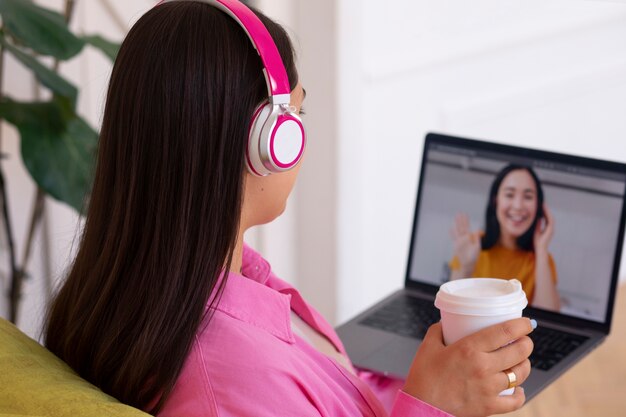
point(481, 296)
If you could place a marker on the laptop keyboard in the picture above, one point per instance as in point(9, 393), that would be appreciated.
point(411, 317)
point(551, 346)
point(406, 316)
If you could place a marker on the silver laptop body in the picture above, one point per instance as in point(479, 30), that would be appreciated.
point(587, 199)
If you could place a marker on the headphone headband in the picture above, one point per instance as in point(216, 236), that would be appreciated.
point(276, 136)
point(274, 71)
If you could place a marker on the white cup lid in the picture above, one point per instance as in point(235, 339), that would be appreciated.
point(481, 296)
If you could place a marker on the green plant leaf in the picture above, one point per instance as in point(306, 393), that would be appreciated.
point(45, 75)
point(40, 29)
point(62, 164)
point(109, 48)
point(49, 115)
point(58, 147)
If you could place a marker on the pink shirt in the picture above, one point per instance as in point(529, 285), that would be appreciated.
point(248, 362)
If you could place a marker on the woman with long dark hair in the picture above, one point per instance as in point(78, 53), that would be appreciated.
point(165, 307)
point(518, 229)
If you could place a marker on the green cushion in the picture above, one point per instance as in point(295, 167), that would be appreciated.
point(34, 382)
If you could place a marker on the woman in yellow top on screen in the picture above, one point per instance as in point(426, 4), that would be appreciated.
point(519, 228)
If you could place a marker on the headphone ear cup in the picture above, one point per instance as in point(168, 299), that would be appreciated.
point(276, 141)
point(253, 151)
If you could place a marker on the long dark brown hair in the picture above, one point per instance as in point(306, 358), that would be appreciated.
point(492, 226)
point(163, 215)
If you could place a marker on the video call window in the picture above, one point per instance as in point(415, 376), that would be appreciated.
point(584, 204)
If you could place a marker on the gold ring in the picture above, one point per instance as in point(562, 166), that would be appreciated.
point(511, 377)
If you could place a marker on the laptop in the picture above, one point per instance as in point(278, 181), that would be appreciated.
point(587, 200)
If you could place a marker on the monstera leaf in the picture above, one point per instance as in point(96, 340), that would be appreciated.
point(44, 75)
point(58, 147)
point(43, 30)
point(109, 48)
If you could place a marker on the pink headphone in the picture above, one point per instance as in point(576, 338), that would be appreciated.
point(276, 137)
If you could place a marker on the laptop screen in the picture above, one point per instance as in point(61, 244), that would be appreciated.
point(479, 213)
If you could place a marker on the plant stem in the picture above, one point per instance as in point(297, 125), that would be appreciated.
point(18, 274)
point(115, 16)
point(1, 91)
point(14, 272)
point(37, 211)
point(35, 219)
point(69, 10)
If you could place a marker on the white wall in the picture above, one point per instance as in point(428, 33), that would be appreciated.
point(302, 249)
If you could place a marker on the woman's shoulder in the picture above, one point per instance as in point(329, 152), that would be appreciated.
point(234, 332)
point(221, 373)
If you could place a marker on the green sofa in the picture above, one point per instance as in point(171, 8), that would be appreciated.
point(34, 382)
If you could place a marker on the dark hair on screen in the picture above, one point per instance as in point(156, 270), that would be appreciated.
point(164, 211)
point(492, 227)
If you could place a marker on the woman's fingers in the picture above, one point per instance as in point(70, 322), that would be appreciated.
point(462, 223)
point(549, 224)
point(458, 230)
point(434, 337)
point(521, 371)
point(512, 354)
point(507, 403)
point(544, 229)
point(498, 335)
point(466, 378)
point(461, 231)
point(547, 213)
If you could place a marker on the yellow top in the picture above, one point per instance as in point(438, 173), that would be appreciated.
point(500, 262)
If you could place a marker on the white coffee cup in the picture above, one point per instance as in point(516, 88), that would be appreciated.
point(471, 304)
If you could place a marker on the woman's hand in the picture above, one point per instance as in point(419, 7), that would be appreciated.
point(546, 294)
point(466, 244)
point(544, 231)
point(465, 378)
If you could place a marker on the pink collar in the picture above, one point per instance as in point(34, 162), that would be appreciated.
point(258, 297)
